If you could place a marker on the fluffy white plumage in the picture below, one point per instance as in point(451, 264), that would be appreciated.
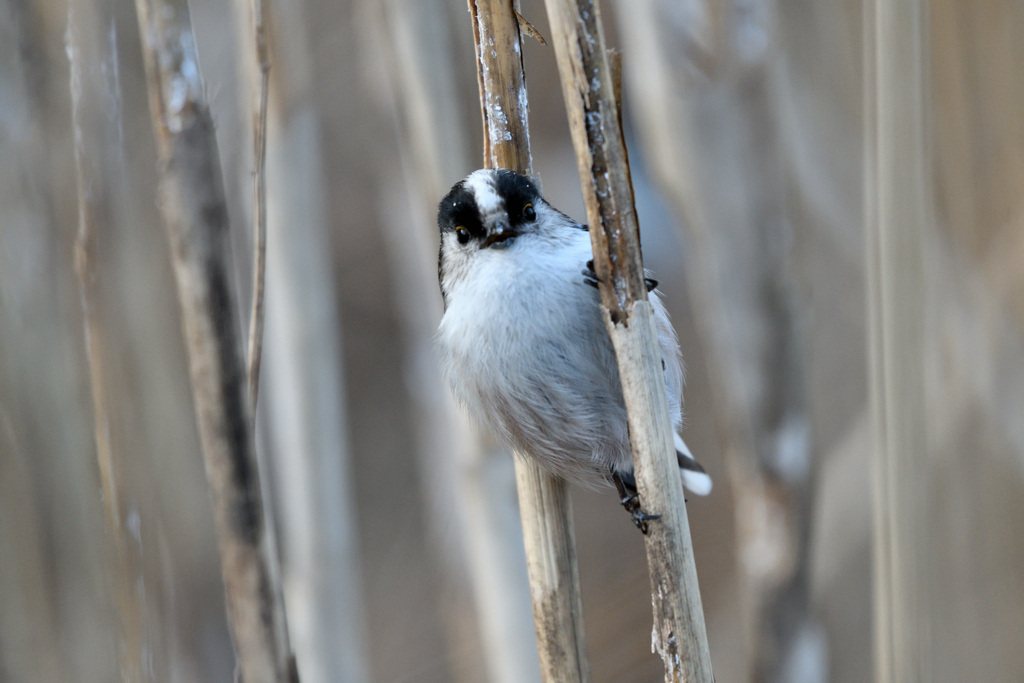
point(522, 338)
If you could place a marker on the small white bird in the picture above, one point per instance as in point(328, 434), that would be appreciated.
point(523, 342)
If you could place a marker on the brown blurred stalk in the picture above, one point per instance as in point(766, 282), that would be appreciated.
point(679, 637)
point(195, 216)
point(468, 478)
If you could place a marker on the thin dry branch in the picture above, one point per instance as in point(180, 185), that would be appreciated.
point(259, 199)
point(590, 95)
point(544, 502)
point(195, 215)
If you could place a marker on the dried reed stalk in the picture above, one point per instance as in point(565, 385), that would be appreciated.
point(669, 129)
point(680, 637)
point(551, 562)
point(259, 199)
point(93, 205)
point(898, 176)
point(195, 215)
point(255, 60)
point(544, 502)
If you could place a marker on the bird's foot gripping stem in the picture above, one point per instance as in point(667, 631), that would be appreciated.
point(589, 276)
point(630, 499)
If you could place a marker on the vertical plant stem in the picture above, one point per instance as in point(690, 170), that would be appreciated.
point(91, 126)
point(195, 216)
point(554, 573)
point(258, 62)
point(669, 129)
point(898, 202)
point(503, 102)
point(680, 637)
point(544, 502)
point(259, 200)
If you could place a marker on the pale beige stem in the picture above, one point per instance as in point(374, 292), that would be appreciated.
point(255, 68)
point(898, 177)
point(665, 101)
point(259, 198)
point(91, 133)
point(554, 573)
point(588, 84)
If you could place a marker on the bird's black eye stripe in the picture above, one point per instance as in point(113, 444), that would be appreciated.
point(458, 210)
point(520, 196)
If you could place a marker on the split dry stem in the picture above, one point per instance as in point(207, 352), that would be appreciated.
point(592, 103)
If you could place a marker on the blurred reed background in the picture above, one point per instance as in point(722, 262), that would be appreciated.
point(394, 518)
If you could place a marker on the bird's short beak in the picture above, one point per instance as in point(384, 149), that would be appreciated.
point(500, 234)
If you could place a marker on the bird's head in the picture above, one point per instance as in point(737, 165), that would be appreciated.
point(487, 210)
point(494, 215)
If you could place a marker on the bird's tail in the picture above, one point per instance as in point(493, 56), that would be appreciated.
point(694, 477)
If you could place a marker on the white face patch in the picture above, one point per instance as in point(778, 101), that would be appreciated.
point(488, 201)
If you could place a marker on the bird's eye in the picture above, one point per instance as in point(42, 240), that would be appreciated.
point(462, 234)
point(528, 212)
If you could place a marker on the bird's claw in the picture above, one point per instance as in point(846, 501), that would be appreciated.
point(639, 517)
point(590, 276)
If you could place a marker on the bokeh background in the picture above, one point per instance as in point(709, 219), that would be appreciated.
point(395, 520)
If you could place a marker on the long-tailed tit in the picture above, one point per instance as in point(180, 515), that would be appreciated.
point(522, 338)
